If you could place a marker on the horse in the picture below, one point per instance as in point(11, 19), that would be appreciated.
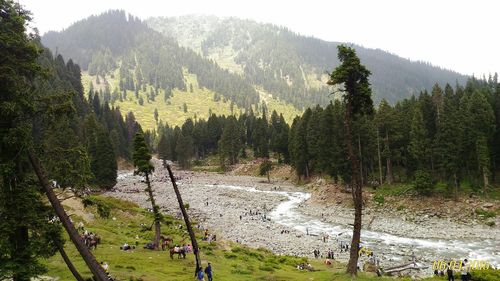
point(165, 242)
point(94, 242)
point(180, 252)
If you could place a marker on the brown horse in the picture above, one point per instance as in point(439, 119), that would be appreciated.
point(180, 252)
point(94, 242)
point(165, 242)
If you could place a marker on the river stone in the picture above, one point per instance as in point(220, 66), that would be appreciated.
point(488, 205)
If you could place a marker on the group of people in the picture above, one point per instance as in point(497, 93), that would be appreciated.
point(209, 237)
point(187, 248)
point(304, 266)
point(344, 246)
point(329, 254)
point(90, 239)
point(260, 216)
point(316, 253)
point(200, 274)
point(464, 271)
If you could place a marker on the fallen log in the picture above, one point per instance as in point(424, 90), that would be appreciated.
point(407, 266)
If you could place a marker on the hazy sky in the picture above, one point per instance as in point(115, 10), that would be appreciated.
point(459, 35)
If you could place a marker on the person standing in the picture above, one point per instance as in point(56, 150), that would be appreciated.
point(199, 276)
point(208, 272)
point(463, 273)
point(449, 272)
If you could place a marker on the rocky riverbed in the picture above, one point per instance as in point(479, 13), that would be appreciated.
point(279, 217)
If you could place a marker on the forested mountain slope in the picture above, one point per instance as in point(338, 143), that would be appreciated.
point(293, 67)
point(141, 70)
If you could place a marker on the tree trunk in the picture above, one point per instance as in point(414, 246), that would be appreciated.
point(360, 160)
point(389, 177)
point(357, 195)
point(485, 178)
point(20, 238)
point(156, 213)
point(455, 179)
point(379, 159)
point(68, 262)
point(94, 266)
point(186, 220)
point(268, 178)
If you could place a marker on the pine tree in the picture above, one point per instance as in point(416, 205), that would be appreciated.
point(163, 148)
point(230, 142)
point(260, 138)
point(25, 235)
point(67, 160)
point(24, 216)
point(385, 124)
point(103, 160)
point(144, 167)
point(265, 168)
point(357, 97)
point(298, 144)
point(480, 126)
point(184, 150)
point(450, 140)
point(279, 131)
point(419, 143)
point(313, 136)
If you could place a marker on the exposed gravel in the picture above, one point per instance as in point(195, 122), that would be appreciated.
point(226, 205)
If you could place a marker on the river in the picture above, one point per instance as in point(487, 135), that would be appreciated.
point(390, 249)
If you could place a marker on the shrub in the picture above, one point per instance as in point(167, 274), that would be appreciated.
point(103, 208)
point(379, 199)
point(490, 223)
point(423, 182)
point(486, 275)
point(485, 214)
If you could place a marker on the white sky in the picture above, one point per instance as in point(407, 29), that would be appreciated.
point(458, 35)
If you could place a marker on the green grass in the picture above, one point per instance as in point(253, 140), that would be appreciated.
point(199, 103)
point(393, 190)
point(230, 261)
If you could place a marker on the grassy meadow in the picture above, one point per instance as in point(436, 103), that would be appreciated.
point(198, 103)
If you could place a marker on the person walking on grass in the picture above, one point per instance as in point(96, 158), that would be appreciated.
point(208, 272)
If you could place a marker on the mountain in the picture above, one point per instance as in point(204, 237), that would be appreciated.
point(291, 66)
point(171, 69)
point(139, 69)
